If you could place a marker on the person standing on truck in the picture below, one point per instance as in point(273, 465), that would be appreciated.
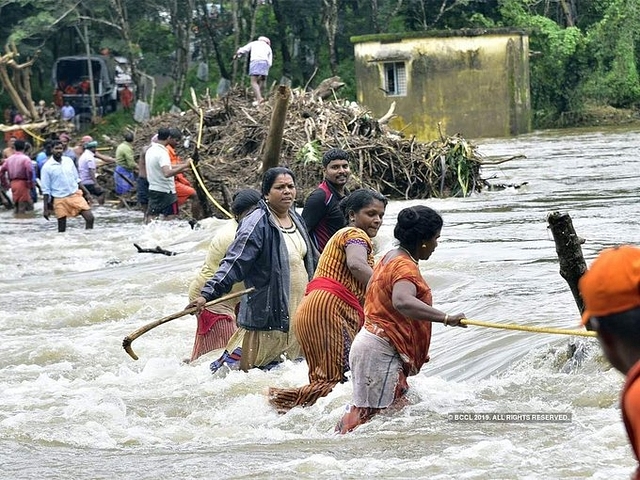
point(85, 85)
point(126, 98)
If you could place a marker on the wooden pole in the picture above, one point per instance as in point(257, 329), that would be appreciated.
point(126, 343)
point(273, 144)
point(572, 263)
point(92, 90)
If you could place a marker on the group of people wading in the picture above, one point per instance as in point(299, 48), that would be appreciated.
point(317, 292)
point(67, 177)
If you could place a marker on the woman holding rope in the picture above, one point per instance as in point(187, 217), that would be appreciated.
point(394, 342)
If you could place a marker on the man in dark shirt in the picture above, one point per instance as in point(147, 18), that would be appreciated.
point(321, 211)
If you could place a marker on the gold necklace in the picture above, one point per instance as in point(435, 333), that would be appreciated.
point(410, 256)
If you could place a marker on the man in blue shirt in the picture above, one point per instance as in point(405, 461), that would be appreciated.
point(62, 191)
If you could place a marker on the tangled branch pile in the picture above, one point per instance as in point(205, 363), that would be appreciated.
point(234, 132)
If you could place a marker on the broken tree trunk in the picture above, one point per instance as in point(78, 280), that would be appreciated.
point(17, 81)
point(26, 126)
point(273, 144)
point(328, 87)
point(572, 263)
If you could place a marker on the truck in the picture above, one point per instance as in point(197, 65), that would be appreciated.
point(71, 76)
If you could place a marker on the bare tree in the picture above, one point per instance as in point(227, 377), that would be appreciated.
point(374, 16)
point(569, 12)
point(124, 27)
point(16, 80)
point(330, 21)
point(427, 16)
point(181, 14)
point(213, 37)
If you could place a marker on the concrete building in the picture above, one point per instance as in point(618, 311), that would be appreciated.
point(472, 82)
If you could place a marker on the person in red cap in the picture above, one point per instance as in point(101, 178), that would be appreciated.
point(610, 290)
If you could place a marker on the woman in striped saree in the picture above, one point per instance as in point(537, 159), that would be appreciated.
point(331, 313)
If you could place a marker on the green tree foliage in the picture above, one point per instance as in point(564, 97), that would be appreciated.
point(556, 62)
point(583, 51)
point(614, 79)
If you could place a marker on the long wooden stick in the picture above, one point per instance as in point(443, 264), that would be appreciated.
point(126, 343)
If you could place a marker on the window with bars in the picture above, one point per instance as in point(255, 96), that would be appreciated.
point(395, 75)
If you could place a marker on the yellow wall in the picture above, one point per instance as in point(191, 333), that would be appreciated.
point(477, 86)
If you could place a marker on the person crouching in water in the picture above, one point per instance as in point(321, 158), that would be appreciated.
point(62, 191)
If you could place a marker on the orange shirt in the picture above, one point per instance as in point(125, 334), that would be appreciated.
point(183, 186)
point(631, 410)
point(58, 99)
point(175, 160)
point(17, 134)
point(410, 337)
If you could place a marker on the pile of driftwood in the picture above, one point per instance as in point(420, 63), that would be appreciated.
point(233, 136)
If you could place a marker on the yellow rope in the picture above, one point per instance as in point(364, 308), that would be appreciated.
point(561, 331)
point(195, 170)
point(199, 141)
point(204, 189)
point(32, 134)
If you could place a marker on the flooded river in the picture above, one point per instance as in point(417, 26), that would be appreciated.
point(74, 405)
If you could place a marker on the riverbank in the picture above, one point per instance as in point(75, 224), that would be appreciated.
point(600, 116)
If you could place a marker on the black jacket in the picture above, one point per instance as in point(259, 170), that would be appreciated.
point(259, 257)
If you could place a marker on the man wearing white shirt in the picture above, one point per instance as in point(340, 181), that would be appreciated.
point(62, 191)
point(67, 112)
point(162, 188)
point(260, 60)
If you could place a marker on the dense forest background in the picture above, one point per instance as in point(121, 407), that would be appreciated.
point(584, 53)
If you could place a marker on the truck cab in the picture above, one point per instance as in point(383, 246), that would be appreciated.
point(71, 76)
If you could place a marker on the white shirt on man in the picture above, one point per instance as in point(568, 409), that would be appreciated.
point(67, 112)
point(156, 157)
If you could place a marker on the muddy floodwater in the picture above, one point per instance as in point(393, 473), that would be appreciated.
point(74, 405)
